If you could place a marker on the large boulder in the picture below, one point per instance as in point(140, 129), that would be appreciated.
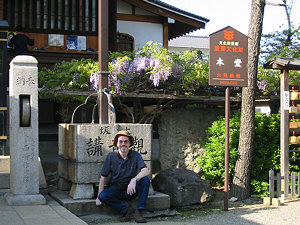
point(183, 186)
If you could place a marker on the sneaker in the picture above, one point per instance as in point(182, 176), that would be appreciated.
point(128, 215)
point(139, 218)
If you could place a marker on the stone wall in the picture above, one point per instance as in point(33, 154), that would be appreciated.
point(180, 133)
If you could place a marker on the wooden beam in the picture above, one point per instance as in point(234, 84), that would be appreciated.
point(187, 98)
point(139, 18)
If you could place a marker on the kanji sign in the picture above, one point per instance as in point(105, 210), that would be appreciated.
point(228, 58)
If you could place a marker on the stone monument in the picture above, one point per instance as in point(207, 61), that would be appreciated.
point(83, 149)
point(23, 133)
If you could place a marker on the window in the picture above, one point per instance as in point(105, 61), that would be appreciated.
point(125, 42)
point(53, 16)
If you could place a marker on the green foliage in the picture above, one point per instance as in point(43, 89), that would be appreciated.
point(67, 75)
point(212, 161)
point(195, 71)
point(285, 43)
point(266, 152)
point(261, 188)
point(294, 77)
point(150, 68)
point(114, 55)
point(272, 81)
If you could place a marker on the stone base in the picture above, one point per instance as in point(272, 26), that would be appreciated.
point(63, 184)
point(156, 202)
point(82, 191)
point(272, 201)
point(36, 199)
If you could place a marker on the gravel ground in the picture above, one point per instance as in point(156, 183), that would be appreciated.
point(287, 213)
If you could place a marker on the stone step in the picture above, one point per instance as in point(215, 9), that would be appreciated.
point(80, 207)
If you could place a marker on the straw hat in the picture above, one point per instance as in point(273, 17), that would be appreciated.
point(123, 133)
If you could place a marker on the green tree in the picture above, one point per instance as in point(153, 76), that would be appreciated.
point(285, 43)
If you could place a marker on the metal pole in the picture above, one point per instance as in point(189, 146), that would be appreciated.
point(227, 112)
point(103, 59)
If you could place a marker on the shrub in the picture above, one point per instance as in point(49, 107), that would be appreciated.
point(266, 152)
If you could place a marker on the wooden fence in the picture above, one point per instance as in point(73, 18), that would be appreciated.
point(276, 181)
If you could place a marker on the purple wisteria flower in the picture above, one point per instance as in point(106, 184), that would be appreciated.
point(177, 70)
point(120, 73)
point(139, 65)
point(94, 80)
point(75, 76)
point(262, 85)
point(161, 71)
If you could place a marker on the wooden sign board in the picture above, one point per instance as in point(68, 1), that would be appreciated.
point(228, 58)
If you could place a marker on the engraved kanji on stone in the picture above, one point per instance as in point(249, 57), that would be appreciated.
point(94, 147)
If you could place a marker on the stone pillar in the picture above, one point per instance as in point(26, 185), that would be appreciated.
point(23, 133)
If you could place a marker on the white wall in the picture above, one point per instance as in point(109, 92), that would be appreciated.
point(141, 31)
point(124, 7)
point(263, 109)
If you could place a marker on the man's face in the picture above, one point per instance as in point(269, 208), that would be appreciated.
point(123, 144)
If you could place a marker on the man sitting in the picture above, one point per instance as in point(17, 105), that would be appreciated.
point(125, 182)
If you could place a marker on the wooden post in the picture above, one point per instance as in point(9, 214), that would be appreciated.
point(166, 34)
point(271, 184)
point(284, 132)
point(227, 114)
point(278, 185)
point(103, 59)
point(293, 184)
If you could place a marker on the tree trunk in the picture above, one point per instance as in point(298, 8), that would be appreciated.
point(241, 180)
point(288, 17)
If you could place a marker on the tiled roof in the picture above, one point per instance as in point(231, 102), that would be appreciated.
point(283, 63)
point(190, 42)
point(177, 10)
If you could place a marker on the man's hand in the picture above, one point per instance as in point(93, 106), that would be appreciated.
point(131, 187)
point(98, 203)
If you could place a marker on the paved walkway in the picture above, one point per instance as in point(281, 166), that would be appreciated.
point(50, 214)
point(286, 214)
point(54, 214)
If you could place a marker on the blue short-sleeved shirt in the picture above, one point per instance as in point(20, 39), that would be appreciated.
point(119, 168)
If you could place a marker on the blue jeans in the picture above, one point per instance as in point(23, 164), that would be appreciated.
point(114, 198)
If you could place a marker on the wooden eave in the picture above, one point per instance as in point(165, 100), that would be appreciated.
point(281, 63)
point(140, 18)
point(183, 24)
